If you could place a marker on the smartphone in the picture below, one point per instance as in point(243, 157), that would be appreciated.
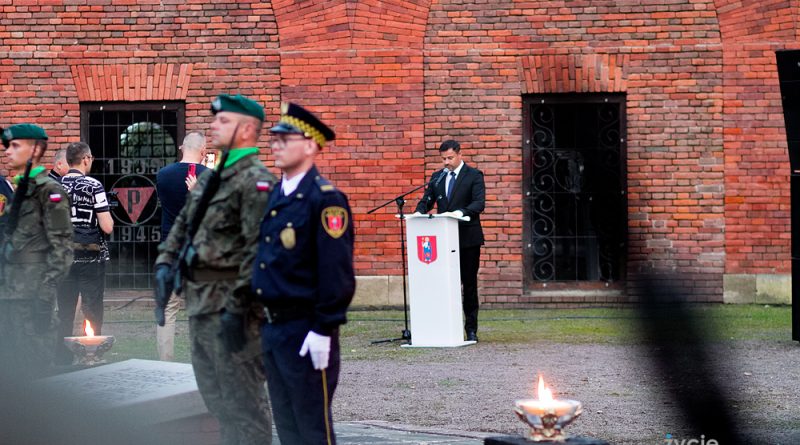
point(192, 168)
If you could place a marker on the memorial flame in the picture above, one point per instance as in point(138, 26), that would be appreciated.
point(545, 415)
point(89, 349)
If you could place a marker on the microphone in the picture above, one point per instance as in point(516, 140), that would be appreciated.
point(435, 182)
point(442, 174)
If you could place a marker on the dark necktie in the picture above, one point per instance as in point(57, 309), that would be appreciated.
point(451, 184)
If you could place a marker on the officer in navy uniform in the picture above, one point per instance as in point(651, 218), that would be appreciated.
point(303, 273)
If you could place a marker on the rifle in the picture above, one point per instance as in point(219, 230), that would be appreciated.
point(13, 215)
point(187, 254)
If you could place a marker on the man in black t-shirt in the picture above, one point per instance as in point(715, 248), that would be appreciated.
point(172, 185)
point(91, 220)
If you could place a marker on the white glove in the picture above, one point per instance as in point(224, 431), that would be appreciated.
point(458, 213)
point(320, 348)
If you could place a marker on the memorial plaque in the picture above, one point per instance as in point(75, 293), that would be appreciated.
point(150, 391)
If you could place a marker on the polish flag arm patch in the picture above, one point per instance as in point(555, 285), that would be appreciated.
point(55, 197)
point(263, 186)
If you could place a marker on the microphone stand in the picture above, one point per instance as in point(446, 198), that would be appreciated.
point(400, 201)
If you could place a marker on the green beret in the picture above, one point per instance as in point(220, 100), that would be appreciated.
point(237, 104)
point(22, 131)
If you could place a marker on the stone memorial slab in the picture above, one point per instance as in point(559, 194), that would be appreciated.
point(152, 392)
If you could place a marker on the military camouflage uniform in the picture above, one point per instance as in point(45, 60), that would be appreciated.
point(37, 257)
point(232, 385)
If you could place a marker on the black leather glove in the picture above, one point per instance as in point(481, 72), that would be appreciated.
point(243, 299)
point(232, 333)
point(163, 290)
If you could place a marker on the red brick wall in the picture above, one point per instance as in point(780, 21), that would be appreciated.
point(706, 156)
point(756, 159)
point(227, 44)
point(674, 124)
point(359, 65)
point(373, 100)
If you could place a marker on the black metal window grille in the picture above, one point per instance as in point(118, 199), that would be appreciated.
point(575, 210)
point(131, 142)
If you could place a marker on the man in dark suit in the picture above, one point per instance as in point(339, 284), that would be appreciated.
point(460, 189)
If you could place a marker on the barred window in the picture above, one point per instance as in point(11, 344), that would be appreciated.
point(131, 142)
point(575, 207)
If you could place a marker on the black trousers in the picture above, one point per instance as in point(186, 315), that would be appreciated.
point(88, 280)
point(470, 258)
point(300, 395)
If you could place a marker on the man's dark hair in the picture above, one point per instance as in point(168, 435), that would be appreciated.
point(76, 151)
point(448, 144)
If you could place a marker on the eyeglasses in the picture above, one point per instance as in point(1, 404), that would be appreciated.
point(281, 140)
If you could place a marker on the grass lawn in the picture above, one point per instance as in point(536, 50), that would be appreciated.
point(135, 330)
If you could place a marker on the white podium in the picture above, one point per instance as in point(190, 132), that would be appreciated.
point(434, 281)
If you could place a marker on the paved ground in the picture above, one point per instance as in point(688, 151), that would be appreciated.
point(384, 433)
point(387, 434)
point(460, 395)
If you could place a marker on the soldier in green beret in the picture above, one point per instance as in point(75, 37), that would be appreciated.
point(36, 254)
point(229, 369)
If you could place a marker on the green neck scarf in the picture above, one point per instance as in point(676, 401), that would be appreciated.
point(34, 171)
point(237, 154)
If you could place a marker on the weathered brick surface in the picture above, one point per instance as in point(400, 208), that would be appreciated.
point(132, 82)
point(373, 99)
point(707, 170)
point(756, 163)
point(55, 54)
point(662, 54)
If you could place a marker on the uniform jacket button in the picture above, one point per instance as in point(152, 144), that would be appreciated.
point(262, 266)
point(258, 291)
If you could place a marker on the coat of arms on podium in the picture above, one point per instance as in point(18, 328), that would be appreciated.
point(426, 249)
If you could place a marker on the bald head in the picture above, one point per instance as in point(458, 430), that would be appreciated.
point(194, 147)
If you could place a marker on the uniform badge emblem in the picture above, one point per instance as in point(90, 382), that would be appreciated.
point(55, 197)
point(334, 221)
point(426, 249)
point(3, 200)
point(288, 238)
point(262, 186)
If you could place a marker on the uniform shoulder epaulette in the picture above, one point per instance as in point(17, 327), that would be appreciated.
point(323, 184)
